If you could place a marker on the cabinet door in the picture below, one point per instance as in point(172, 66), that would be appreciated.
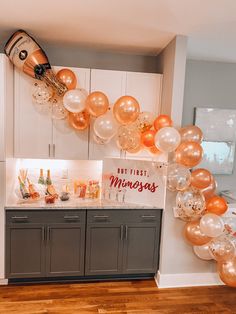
point(141, 247)
point(103, 249)
point(33, 129)
point(112, 83)
point(146, 88)
point(65, 250)
point(25, 251)
point(68, 143)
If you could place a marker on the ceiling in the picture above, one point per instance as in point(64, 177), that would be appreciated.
point(137, 26)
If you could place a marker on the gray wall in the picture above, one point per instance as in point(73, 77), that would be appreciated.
point(210, 84)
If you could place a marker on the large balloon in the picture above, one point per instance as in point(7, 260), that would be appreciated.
point(74, 100)
point(128, 138)
point(41, 93)
point(216, 205)
point(192, 203)
point(202, 252)
point(67, 77)
point(212, 225)
point(105, 126)
point(126, 109)
point(194, 235)
point(189, 154)
point(210, 190)
point(227, 272)
point(79, 121)
point(97, 103)
point(162, 121)
point(144, 121)
point(221, 249)
point(178, 177)
point(191, 133)
point(147, 138)
point(167, 139)
point(201, 178)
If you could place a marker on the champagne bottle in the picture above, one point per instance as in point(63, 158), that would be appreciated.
point(41, 177)
point(25, 53)
point(48, 179)
point(33, 193)
point(24, 192)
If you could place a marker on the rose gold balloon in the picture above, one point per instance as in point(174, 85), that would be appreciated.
point(67, 77)
point(227, 272)
point(216, 205)
point(79, 121)
point(97, 103)
point(210, 190)
point(148, 138)
point(136, 149)
point(126, 109)
point(162, 121)
point(201, 178)
point(189, 154)
point(191, 133)
point(193, 234)
point(221, 249)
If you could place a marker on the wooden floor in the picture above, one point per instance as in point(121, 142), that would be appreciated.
point(115, 297)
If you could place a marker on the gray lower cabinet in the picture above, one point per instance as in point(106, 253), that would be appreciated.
point(122, 242)
point(45, 243)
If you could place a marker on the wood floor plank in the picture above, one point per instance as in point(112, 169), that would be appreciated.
point(128, 297)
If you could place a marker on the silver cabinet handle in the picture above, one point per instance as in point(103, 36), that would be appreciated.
point(53, 150)
point(43, 234)
point(148, 216)
point(101, 217)
point(71, 217)
point(121, 232)
point(20, 217)
point(126, 232)
point(49, 150)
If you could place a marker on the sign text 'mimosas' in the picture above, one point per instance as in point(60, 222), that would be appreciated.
point(117, 182)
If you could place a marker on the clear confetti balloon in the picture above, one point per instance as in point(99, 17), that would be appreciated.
point(128, 137)
point(59, 112)
point(178, 177)
point(144, 121)
point(221, 249)
point(41, 93)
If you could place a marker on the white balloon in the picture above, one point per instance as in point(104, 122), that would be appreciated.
point(203, 252)
point(74, 100)
point(105, 126)
point(167, 139)
point(211, 225)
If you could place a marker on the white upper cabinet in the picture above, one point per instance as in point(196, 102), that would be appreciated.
point(37, 135)
point(111, 83)
point(66, 142)
point(145, 87)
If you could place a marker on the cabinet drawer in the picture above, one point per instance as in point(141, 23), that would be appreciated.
point(45, 216)
point(105, 216)
point(142, 216)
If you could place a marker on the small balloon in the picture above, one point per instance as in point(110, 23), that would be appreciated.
point(97, 103)
point(194, 235)
point(209, 191)
point(189, 154)
point(136, 149)
point(167, 139)
point(79, 121)
point(68, 78)
point(202, 252)
point(128, 137)
point(74, 100)
point(105, 126)
point(126, 110)
point(201, 178)
point(178, 177)
point(221, 249)
point(212, 225)
point(144, 121)
point(147, 138)
point(192, 203)
point(41, 93)
point(162, 121)
point(58, 110)
point(227, 272)
point(216, 205)
point(191, 133)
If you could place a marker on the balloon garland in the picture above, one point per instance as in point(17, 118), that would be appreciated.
point(196, 201)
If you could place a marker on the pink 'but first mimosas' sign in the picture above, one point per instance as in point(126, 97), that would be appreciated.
point(135, 181)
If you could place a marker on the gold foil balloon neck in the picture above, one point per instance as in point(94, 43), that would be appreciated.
point(26, 55)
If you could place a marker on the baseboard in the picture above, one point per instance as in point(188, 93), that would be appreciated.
point(3, 282)
point(187, 280)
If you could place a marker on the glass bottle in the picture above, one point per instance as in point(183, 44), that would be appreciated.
point(24, 192)
point(41, 177)
point(48, 179)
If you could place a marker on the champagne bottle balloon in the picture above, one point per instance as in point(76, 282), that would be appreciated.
point(25, 53)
